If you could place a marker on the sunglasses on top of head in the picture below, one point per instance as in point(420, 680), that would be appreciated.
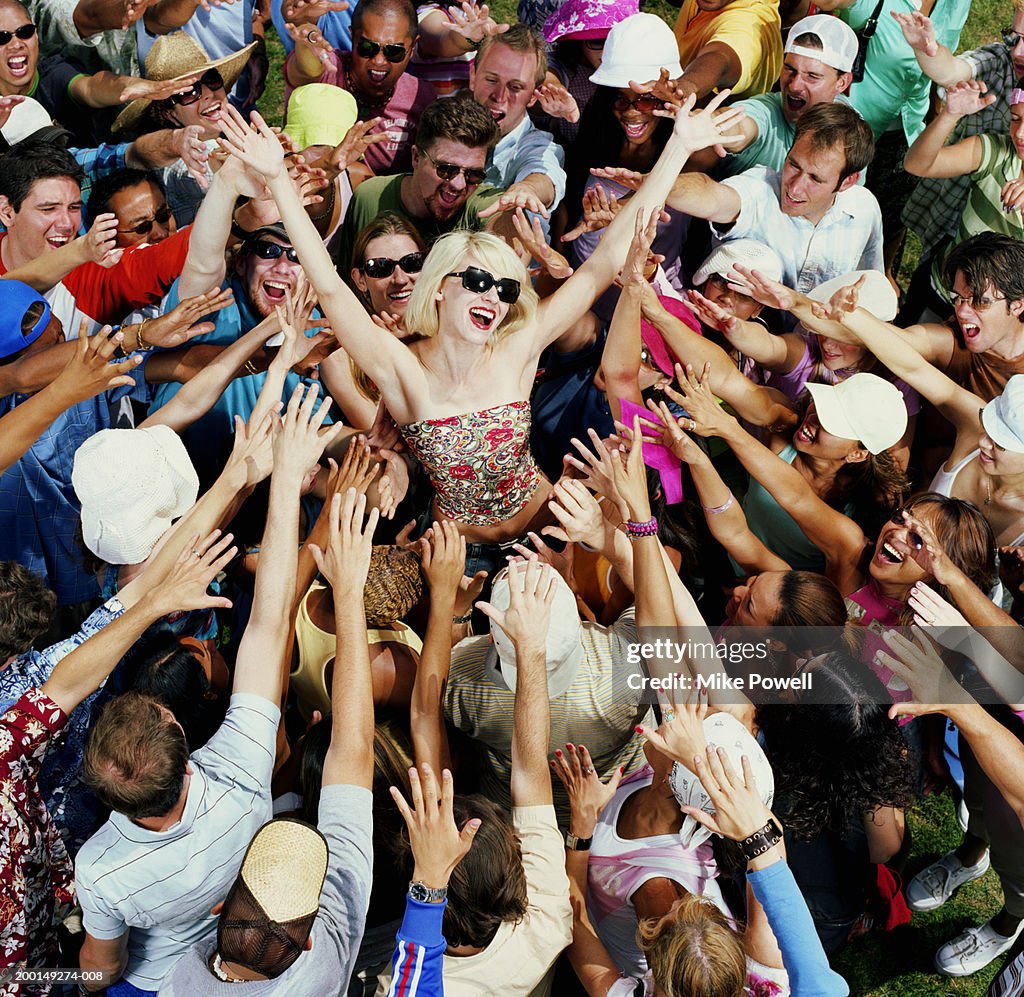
point(160, 217)
point(384, 266)
point(645, 103)
point(393, 52)
point(25, 32)
point(271, 250)
point(211, 79)
point(480, 282)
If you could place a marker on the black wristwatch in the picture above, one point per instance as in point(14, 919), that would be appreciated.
point(575, 844)
point(424, 894)
point(761, 840)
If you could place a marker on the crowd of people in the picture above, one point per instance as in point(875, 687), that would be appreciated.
point(506, 531)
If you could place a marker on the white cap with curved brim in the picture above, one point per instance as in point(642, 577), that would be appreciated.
point(176, 57)
point(1003, 417)
point(865, 408)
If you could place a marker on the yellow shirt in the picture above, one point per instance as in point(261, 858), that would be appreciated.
point(751, 28)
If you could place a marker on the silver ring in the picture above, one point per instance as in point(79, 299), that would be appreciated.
point(197, 554)
point(589, 770)
point(693, 425)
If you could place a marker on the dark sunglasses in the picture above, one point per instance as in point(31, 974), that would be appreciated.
point(449, 171)
point(594, 44)
point(160, 217)
point(645, 103)
point(25, 32)
point(480, 282)
point(914, 539)
point(211, 79)
point(384, 266)
point(1011, 38)
point(271, 251)
point(394, 52)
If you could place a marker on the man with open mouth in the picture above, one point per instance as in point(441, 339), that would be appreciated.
point(374, 72)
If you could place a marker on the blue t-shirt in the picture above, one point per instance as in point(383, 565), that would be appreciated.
point(335, 26)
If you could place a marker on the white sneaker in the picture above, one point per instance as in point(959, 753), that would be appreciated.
point(933, 886)
point(973, 950)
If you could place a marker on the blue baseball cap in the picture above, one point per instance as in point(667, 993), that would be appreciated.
point(15, 300)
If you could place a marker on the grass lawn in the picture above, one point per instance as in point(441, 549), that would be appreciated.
point(898, 963)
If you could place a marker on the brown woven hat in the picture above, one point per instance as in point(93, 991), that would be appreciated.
point(270, 910)
point(174, 57)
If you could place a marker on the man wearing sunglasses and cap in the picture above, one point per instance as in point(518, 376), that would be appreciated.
point(445, 190)
point(374, 72)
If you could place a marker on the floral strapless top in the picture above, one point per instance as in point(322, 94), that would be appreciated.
point(479, 463)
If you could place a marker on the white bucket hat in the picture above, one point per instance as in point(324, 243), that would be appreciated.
point(638, 48)
point(721, 730)
point(876, 294)
point(564, 650)
point(133, 484)
point(1003, 417)
point(747, 252)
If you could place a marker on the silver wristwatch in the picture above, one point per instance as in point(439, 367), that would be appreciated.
point(427, 894)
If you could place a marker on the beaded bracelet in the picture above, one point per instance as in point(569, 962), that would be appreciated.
point(637, 530)
point(715, 510)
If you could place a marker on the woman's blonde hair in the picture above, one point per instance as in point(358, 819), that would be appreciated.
point(693, 952)
point(447, 256)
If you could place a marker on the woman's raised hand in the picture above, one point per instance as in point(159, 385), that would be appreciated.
point(694, 394)
point(588, 796)
point(254, 145)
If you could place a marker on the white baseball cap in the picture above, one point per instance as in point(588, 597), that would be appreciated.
point(133, 484)
point(876, 294)
point(1003, 417)
point(838, 41)
point(638, 48)
point(864, 407)
point(747, 252)
point(563, 648)
point(27, 119)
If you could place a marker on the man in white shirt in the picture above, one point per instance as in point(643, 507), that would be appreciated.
point(526, 162)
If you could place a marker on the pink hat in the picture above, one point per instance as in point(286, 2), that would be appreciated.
point(652, 339)
point(581, 19)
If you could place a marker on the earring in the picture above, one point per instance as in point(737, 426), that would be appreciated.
point(439, 296)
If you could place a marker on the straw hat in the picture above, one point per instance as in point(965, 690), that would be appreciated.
point(175, 57)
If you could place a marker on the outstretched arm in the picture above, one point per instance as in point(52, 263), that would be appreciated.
point(929, 156)
point(393, 368)
point(936, 61)
point(691, 132)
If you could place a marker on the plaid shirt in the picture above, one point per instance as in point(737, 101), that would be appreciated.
point(933, 211)
point(97, 163)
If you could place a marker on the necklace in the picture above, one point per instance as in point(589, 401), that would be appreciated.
point(988, 490)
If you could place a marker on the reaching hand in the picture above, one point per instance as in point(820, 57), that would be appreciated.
point(185, 587)
point(392, 323)
point(136, 88)
point(306, 11)
point(767, 291)
point(931, 610)
point(924, 547)
point(596, 467)
point(443, 559)
point(190, 146)
point(845, 300)
point(178, 325)
point(707, 418)
point(100, 242)
point(739, 810)
point(438, 846)
point(384, 432)
point(918, 31)
point(630, 179)
point(639, 255)
point(309, 36)
point(631, 478)
point(531, 593)
point(671, 91)
point(918, 664)
point(709, 127)
point(681, 734)
point(299, 441)
point(560, 562)
point(475, 23)
point(675, 439)
point(599, 210)
point(968, 97)
point(519, 197)
point(530, 236)
point(394, 482)
point(357, 140)
point(579, 515)
point(357, 469)
point(346, 561)
point(588, 796)
point(256, 146)
point(89, 371)
point(557, 102)
point(253, 446)
point(713, 315)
